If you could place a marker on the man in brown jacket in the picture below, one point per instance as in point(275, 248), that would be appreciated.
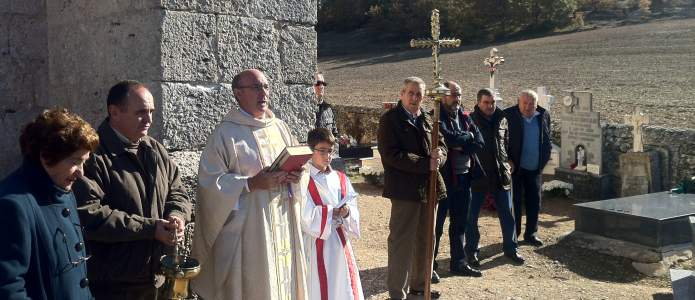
point(404, 139)
point(131, 201)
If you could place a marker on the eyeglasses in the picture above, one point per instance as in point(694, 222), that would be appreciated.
point(456, 95)
point(330, 151)
point(257, 87)
point(73, 263)
point(323, 83)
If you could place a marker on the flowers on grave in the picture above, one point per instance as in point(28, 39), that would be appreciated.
point(557, 188)
point(346, 140)
point(686, 186)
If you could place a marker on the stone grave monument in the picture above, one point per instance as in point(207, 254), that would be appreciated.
point(492, 63)
point(581, 149)
point(546, 101)
point(653, 230)
point(683, 281)
point(640, 171)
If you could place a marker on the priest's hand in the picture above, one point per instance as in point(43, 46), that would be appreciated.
point(163, 232)
point(265, 180)
point(292, 177)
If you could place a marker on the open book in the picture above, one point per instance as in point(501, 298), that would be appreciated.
point(291, 159)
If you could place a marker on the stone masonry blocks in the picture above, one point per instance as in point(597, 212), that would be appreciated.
point(246, 43)
point(293, 105)
point(298, 54)
point(231, 7)
point(190, 112)
point(189, 46)
point(294, 11)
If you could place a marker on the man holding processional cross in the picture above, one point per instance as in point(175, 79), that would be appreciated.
point(411, 148)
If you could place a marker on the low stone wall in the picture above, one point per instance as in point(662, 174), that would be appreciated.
point(358, 122)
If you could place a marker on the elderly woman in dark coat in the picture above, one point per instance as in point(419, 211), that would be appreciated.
point(43, 254)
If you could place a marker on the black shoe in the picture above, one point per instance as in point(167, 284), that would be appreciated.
point(473, 261)
point(533, 241)
point(516, 258)
point(466, 270)
point(433, 294)
point(435, 277)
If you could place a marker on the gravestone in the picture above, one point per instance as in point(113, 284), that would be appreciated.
point(652, 230)
point(544, 99)
point(683, 281)
point(492, 63)
point(640, 172)
point(581, 149)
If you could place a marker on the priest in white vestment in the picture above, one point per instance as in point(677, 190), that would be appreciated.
point(330, 219)
point(248, 237)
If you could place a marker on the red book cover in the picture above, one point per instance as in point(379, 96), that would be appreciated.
point(291, 159)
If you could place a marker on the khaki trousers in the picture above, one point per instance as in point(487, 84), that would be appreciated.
point(406, 248)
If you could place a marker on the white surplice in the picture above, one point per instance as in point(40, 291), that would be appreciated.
point(342, 281)
point(249, 244)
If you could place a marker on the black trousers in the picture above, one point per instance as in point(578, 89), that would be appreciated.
point(457, 206)
point(526, 192)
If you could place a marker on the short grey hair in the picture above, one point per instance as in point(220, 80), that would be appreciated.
point(414, 79)
point(529, 93)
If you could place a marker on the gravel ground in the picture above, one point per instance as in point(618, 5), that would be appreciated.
point(554, 271)
point(648, 65)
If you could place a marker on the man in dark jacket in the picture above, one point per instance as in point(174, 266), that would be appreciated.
point(463, 140)
point(325, 118)
point(492, 176)
point(404, 144)
point(529, 150)
point(130, 200)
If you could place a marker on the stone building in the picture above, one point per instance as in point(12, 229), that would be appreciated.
point(69, 52)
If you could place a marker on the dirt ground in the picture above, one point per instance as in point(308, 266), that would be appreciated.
point(648, 65)
point(554, 271)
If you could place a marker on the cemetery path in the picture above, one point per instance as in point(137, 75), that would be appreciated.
point(554, 271)
point(648, 65)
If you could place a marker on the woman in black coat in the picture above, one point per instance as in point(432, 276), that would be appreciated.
point(43, 254)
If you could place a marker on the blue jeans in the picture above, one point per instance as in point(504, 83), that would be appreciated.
point(527, 191)
point(503, 201)
point(456, 204)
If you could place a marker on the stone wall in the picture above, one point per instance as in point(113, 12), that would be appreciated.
point(69, 53)
point(23, 72)
point(358, 122)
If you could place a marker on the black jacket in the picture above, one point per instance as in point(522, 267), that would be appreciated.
point(516, 136)
point(325, 118)
point(461, 138)
point(405, 154)
point(494, 172)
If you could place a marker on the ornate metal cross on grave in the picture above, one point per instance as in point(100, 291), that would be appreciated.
point(492, 63)
point(637, 119)
point(436, 92)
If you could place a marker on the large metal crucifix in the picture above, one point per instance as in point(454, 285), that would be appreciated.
point(436, 92)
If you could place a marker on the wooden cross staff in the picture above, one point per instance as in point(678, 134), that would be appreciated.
point(437, 92)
